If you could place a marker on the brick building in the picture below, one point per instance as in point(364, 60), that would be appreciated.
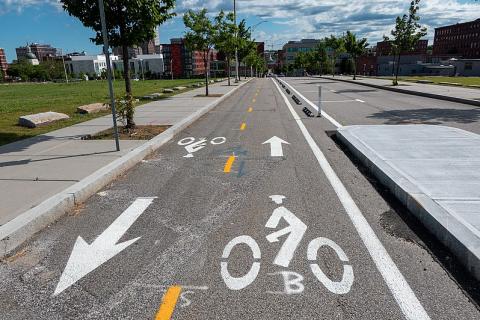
point(384, 48)
point(184, 62)
point(461, 39)
point(41, 51)
point(3, 63)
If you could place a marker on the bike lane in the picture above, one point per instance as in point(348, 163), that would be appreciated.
point(223, 178)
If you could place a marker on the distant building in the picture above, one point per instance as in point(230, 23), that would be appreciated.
point(132, 51)
point(148, 47)
point(143, 65)
point(461, 39)
point(41, 51)
point(184, 63)
point(384, 48)
point(292, 48)
point(466, 67)
point(89, 65)
point(3, 63)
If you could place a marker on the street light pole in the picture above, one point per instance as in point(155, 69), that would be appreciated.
point(109, 72)
point(236, 40)
point(64, 68)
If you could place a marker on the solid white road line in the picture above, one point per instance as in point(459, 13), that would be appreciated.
point(403, 294)
point(324, 114)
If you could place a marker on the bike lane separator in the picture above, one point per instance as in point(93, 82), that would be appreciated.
point(401, 291)
point(314, 106)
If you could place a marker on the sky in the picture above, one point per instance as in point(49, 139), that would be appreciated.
point(276, 21)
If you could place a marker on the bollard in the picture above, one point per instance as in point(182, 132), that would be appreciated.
point(319, 113)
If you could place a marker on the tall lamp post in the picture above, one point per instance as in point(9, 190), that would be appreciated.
point(109, 72)
point(236, 40)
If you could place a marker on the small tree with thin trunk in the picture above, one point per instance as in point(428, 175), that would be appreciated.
point(200, 37)
point(406, 34)
point(225, 37)
point(337, 45)
point(129, 23)
point(355, 48)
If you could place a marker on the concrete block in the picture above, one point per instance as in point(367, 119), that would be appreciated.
point(424, 81)
point(167, 90)
point(179, 88)
point(38, 119)
point(450, 83)
point(92, 108)
point(152, 96)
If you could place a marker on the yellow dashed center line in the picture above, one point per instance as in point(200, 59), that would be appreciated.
point(228, 165)
point(243, 126)
point(168, 303)
point(250, 109)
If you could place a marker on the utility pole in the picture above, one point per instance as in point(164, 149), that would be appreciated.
point(109, 72)
point(171, 66)
point(236, 38)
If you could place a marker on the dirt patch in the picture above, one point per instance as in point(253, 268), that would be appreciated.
point(138, 133)
point(211, 95)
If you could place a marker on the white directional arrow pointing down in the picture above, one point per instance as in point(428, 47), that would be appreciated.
point(87, 257)
point(276, 149)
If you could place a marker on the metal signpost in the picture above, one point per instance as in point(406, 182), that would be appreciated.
point(109, 72)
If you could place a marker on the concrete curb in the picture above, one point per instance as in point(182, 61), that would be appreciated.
point(23, 227)
point(461, 241)
point(415, 93)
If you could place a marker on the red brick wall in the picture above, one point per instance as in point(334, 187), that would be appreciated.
point(459, 39)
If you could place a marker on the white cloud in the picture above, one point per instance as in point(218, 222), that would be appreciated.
point(314, 19)
point(18, 5)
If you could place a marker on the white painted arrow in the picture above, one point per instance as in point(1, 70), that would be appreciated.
point(276, 149)
point(87, 257)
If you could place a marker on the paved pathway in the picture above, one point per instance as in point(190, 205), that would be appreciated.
point(434, 171)
point(444, 90)
point(240, 226)
point(34, 169)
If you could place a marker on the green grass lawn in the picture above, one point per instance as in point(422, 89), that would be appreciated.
point(20, 99)
point(465, 81)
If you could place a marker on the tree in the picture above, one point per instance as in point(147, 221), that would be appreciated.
point(406, 34)
point(201, 36)
point(300, 61)
point(355, 48)
point(245, 43)
point(225, 40)
point(129, 23)
point(338, 46)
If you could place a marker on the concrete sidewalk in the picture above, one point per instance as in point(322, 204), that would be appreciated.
point(455, 94)
point(34, 170)
point(434, 171)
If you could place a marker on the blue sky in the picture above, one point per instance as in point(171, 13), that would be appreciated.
point(44, 21)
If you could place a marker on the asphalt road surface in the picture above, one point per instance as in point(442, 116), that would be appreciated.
point(253, 212)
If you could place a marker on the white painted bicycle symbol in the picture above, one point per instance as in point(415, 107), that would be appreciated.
point(295, 230)
point(193, 146)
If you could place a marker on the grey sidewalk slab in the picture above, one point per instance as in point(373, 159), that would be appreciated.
point(434, 171)
point(450, 93)
point(35, 169)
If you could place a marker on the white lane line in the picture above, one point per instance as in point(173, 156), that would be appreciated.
point(403, 294)
point(324, 114)
point(360, 100)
